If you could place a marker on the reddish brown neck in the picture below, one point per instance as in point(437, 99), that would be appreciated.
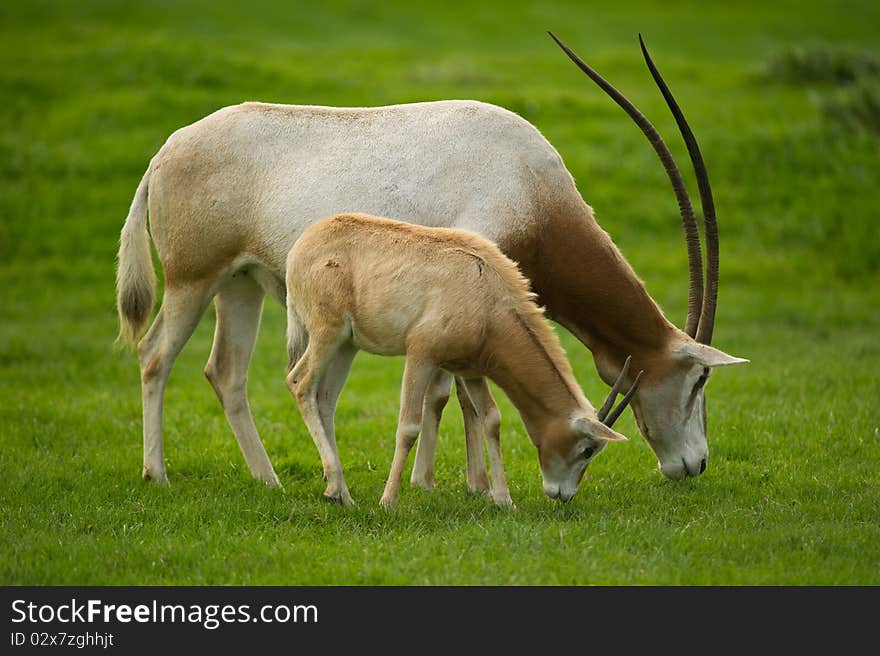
point(587, 286)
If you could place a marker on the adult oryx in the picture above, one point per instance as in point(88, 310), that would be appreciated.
point(228, 196)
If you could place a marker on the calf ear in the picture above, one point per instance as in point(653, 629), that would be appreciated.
point(596, 429)
point(706, 355)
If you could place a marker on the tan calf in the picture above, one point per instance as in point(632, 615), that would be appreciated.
point(448, 300)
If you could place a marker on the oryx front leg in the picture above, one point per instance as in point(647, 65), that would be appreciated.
point(435, 400)
point(182, 307)
point(477, 478)
point(305, 381)
point(417, 376)
point(490, 418)
point(239, 304)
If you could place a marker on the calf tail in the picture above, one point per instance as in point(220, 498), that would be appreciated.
point(297, 335)
point(135, 276)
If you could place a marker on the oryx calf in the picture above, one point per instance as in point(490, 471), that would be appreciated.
point(447, 299)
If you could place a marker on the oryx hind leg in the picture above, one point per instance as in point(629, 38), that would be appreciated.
point(182, 308)
point(435, 400)
point(239, 304)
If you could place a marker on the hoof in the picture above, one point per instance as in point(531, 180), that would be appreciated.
point(270, 479)
point(388, 502)
point(480, 486)
point(157, 479)
point(423, 483)
point(343, 499)
point(273, 482)
point(504, 502)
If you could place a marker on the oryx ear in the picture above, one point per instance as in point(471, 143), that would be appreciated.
point(596, 429)
point(706, 355)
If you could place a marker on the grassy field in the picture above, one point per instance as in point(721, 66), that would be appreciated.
point(785, 99)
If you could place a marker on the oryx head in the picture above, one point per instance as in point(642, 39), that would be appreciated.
point(670, 406)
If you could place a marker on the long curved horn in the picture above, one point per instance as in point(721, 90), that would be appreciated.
point(710, 300)
point(689, 221)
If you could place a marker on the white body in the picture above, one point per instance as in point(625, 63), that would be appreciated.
point(274, 169)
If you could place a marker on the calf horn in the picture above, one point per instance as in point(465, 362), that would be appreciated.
point(608, 416)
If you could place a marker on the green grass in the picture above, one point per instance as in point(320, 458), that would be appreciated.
point(91, 90)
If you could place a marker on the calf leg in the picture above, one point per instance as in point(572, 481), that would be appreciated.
point(239, 304)
point(417, 376)
point(435, 400)
point(182, 308)
point(331, 386)
point(479, 392)
point(304, 381)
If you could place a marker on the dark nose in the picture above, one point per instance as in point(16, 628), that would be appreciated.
point(702, 465)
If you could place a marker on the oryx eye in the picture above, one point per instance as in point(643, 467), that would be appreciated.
point(588, 452)
point(702, 380)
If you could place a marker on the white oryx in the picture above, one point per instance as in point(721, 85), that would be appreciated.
point(229, 195)
point(447, 299)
